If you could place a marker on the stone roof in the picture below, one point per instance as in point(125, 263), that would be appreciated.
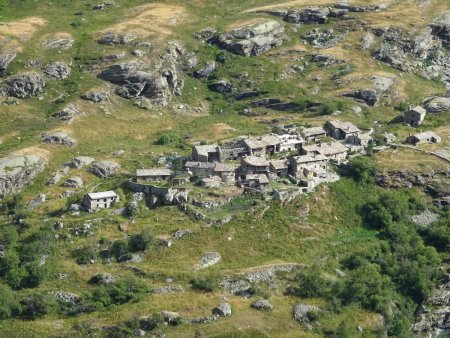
point(309, 159)
point(205, 149)
point(344, 126)
point(314, 131)
point(253, 143)
point(327, 149)
point(259, 177)
point(279, 164)
point(426, 135)
point(202, 165)
point(153, 172)
point(221, 167)
point(417, 109)
point(270, 139)
point(103, 194)
point(256, 161)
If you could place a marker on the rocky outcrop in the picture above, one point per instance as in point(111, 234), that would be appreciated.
point(5, 59)
point(437, 104)
point(206, 70)
point(25, 85)
point(221, 86)
point(68, 113)
point(60, 138)
point(209, 259)
point(80, 162)
point(251, 40)
point(301, 314)
point(371, 96)
point(96, 96)
point(59, 41)
point(18, 171)
point(113, 38)
point(104, 169)
point(135, 79)
point(74, 182)
point(222, 310)
point(310, 15)
point(425, 218)
point(324, 38)
point(441, 29)
point(57, 70)
point(262, 305)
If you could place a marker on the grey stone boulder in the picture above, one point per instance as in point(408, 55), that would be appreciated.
point(425, 218)
point(262, 305)
point(68, 113)
point(37, 201)
point(206, 70)
point(437, 104)
point(367, 41)
point(253, 39)
point(74, 182)
point(57, 70)
point(25, 85)
point(80, 162)
point(441, 28)
point(301, 311)
point(112, 38)
point(59, 41)
point(59, 138)
point(308, 15)
point(55, 179)
point(18, 171)
point(369, 96)
point(168, 289)
point(104, 278)
point(206, 33)
point(104, 169)
point(222, 310)
point(102, 6)
point(170, 318)
point(5, 59)
point(221, 86)
point(209, 259)
point(96, 96)
point(182, 233)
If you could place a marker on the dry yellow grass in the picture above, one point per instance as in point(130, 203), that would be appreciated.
point(23, 29)
point(34, 150)
point(151, 20)
point(410, 159)
point(296, 3)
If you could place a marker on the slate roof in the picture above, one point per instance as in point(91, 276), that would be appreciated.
point(256, 161)
point(100, 195)
point(153, 172)
point(202, 165)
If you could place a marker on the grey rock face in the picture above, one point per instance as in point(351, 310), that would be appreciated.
point(308, 15)
point(104, 169)
point(182, 233)
point(63, 42)
point(68, 113)
point(25, 85)
point(441, 28)
point(37, 201)
point(137, 81)
point(324, 38)
point(74, 182)
point(79, 162)
point(437, 105)
point(221, 87)
point(210, 259)
point(5, 59)
point(371, 96)
point(251, 40)
point(55, 179)
point(57, 70)
point(111, 39)
point(96, 96)
point(367, 41)
point(16, 172)
point(425, 218)
point(206, 70)
point(60, 138)
point(222, 310)
point(262, 305)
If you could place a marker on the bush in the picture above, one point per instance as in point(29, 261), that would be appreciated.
point(205, 285)
point(119, 249)
point(153, 322)
point(312, 284)
point(86, 254)
point(361, 169)
point(38, 305)
point(9, 306)
point(140, 242)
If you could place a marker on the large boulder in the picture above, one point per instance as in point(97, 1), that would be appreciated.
point(104, 169)
point(301, 311)
point(221, 86)
point(222, 310)
point(113, 38)
point(206, 70)
point(437, 104)
point(25, 85)
point(68, 113)
point(58, 41)
point(254, 39)
point(17, 171)
point(210, 259)
point(60, 138)
point(57, 70)
point(441, 28)
point(80, 162)
point(5, 59)
point(262, 305)
point(96, 96)
point(75, 182)
point(308, 15)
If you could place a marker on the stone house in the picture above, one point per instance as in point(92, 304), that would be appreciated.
point(205, 153)
point(361, 140)
point(232, 151)
point(253, 182)
point(297, 164)
point(200, 169)
point(99, 200)
point(211, 182)
point(279, 167)
point(334, 151)
point(341, 130)
point(254, 146)
point(272, 143)
point(254, 165)
point(425, 137)
point(226, 172)
point(389, 138)
point(314, 134)
point(414, 116)
point(290, 142)
point(155, 175)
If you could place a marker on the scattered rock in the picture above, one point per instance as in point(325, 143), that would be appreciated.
point(119, 152)
point(74, 182)
point(58, 225)
point(205, 34)
point(25, 85)
point(171, 318)
point(55, 179)
point(182, 233)
point(57, 70)
point(114, 57)
point(17, 171)
point(80, 162)
point(367, 41)
point(168, 289)
point(262, 305)
point(37, 201)
point(102, 279)
point(65, 297)
point(137, 52)
point(96, 96)
point(5, 59)
point(60, 138)
point(60, 41)
point(251, 40)
point(441, 28)
point(301, 312)
point(425, 218)
point(206, 70)
point(104, 169)
point(210, 259)
point(324, 38)
point(112, 38)
point(68, 113)
point(221, 86)
point(222, 310)
point(102, 6)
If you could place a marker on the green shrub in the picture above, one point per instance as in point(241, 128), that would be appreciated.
point(312, 284)
point(38, 305)
point(205, 285)
point(119, 249)
point(140, 242)
point(9, 305)
point(86, 254)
